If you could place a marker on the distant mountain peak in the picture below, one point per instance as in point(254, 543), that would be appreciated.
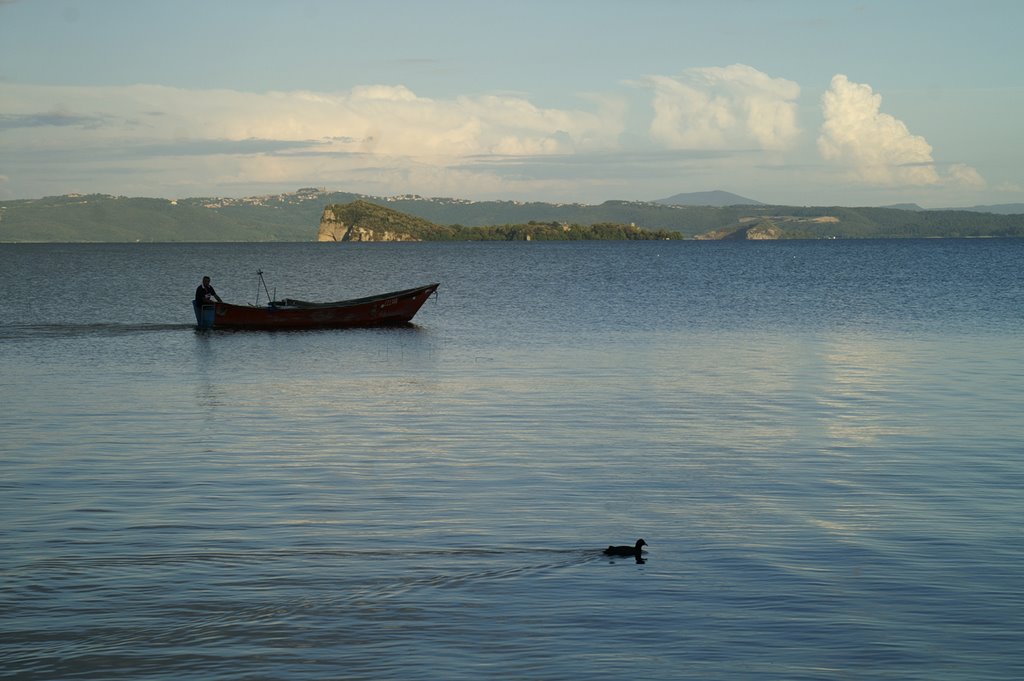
point(905, 206)
point(715, 198)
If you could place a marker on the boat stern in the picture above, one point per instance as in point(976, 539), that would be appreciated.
point(204, 315)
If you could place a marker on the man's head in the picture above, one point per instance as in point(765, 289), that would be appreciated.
point(206, 280)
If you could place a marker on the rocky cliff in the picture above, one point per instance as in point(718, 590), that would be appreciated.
point(365, 221)
point(762, 231)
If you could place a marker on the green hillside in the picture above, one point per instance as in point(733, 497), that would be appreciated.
point(104, 218)
point(296, 216)
point(382, 220)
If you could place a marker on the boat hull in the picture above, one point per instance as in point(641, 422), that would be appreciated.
point(396, 307)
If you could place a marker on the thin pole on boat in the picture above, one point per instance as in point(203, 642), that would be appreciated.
point(259, 273)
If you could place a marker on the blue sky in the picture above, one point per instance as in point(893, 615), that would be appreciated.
point(797, 102)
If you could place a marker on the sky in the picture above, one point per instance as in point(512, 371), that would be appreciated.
point(782, 101)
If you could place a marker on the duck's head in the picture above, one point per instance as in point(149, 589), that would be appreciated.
point(639, 543)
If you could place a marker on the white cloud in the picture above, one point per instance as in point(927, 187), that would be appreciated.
point(366, 134)
point(724, 108)
point(963, 175)
point(877, 148)
point(711, 127)
point(381, 119)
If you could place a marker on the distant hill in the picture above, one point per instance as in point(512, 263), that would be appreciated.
point(295, 216)
point(998, 209)
point(363, 220)
point(714, 198)
point(758, 230)
point(905, 206)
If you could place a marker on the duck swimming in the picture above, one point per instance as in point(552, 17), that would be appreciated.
point(626, 550)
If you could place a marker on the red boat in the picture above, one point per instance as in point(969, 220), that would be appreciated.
point(397, 307)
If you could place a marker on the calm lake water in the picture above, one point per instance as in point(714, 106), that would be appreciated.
point(821, 442)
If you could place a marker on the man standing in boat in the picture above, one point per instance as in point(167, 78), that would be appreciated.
point(205, 293)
